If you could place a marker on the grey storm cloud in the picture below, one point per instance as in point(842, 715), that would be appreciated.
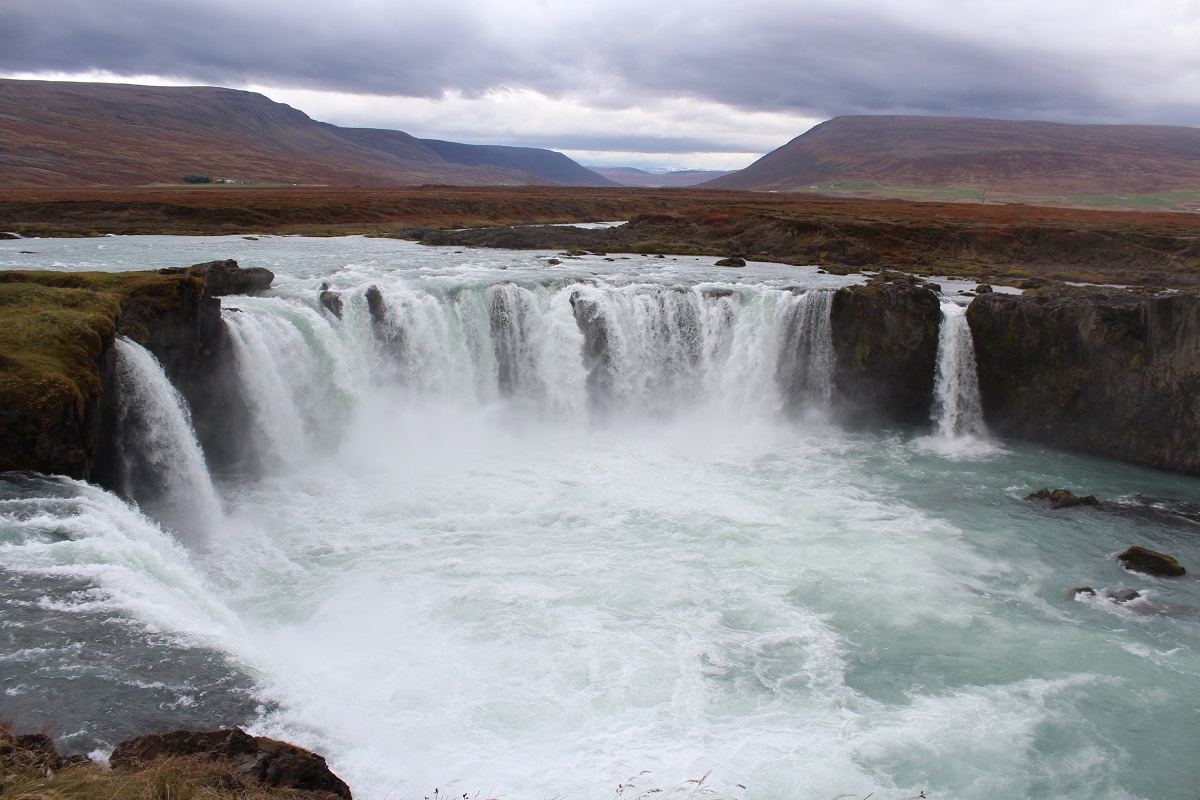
point(813, 57)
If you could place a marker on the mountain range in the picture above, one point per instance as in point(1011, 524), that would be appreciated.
point(78, 135)
point(977, 157)
point(63, 134)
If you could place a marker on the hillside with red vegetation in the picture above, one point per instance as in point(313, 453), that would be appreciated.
point(982, 157)
point(63, 134)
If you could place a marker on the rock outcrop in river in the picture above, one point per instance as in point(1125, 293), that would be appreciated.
point(885, 351)
point(1100, 371)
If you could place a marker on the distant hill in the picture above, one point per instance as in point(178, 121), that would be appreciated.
point(883, 154)
point(548, 164)
point(630, 176)
point(65, 134)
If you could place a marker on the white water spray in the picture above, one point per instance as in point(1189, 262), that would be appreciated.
point(164, 468)
point(640, 349)
point(957, 407)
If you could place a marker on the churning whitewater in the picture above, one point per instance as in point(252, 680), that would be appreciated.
point(508, 529)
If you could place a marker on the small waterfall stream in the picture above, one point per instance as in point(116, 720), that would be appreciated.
point(162, 464)
point(957, 408)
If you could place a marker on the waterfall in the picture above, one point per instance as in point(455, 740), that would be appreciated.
point(957, 409)
point(570, 350)
point(297, 375)
point(162, 466)
point(805, 368)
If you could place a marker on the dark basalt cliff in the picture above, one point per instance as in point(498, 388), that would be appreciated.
point(58, 392)
point(885, 351)
point(1105, 372)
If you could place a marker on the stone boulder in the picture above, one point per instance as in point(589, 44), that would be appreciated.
point(1122, 594)
point(732, 261)
point(265, 761)
point(331, 300)
point(1061, 498)
point(226, 277)
point(1150, 562)
point(25, 750)
point(376, 305)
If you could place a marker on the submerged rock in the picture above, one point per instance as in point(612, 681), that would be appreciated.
point(1062, 498)
point(1151, 562)
point(1122, 594)
point(253, 758)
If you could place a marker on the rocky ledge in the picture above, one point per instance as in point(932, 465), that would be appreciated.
point(221, 763)
point(57, 360)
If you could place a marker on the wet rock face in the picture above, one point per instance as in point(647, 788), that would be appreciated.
point(885, 352)
point(597, 356)
point(254, 758)
point(332, 301)
point(1104, 372)
point(1151, 562)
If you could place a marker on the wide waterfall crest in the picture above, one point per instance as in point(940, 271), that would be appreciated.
point(582, 346)
point(162, 465)
point(957, 406)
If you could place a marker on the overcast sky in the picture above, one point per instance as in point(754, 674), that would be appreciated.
point(695, 83)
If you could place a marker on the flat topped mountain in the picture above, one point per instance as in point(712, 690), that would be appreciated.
point(61, 134)
point(1017, 158)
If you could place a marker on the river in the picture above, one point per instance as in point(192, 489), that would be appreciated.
point(482, 548)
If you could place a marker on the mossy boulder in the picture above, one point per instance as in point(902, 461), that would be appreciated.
point(1062, 498)
point(226, 277)
point(1151, 562)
